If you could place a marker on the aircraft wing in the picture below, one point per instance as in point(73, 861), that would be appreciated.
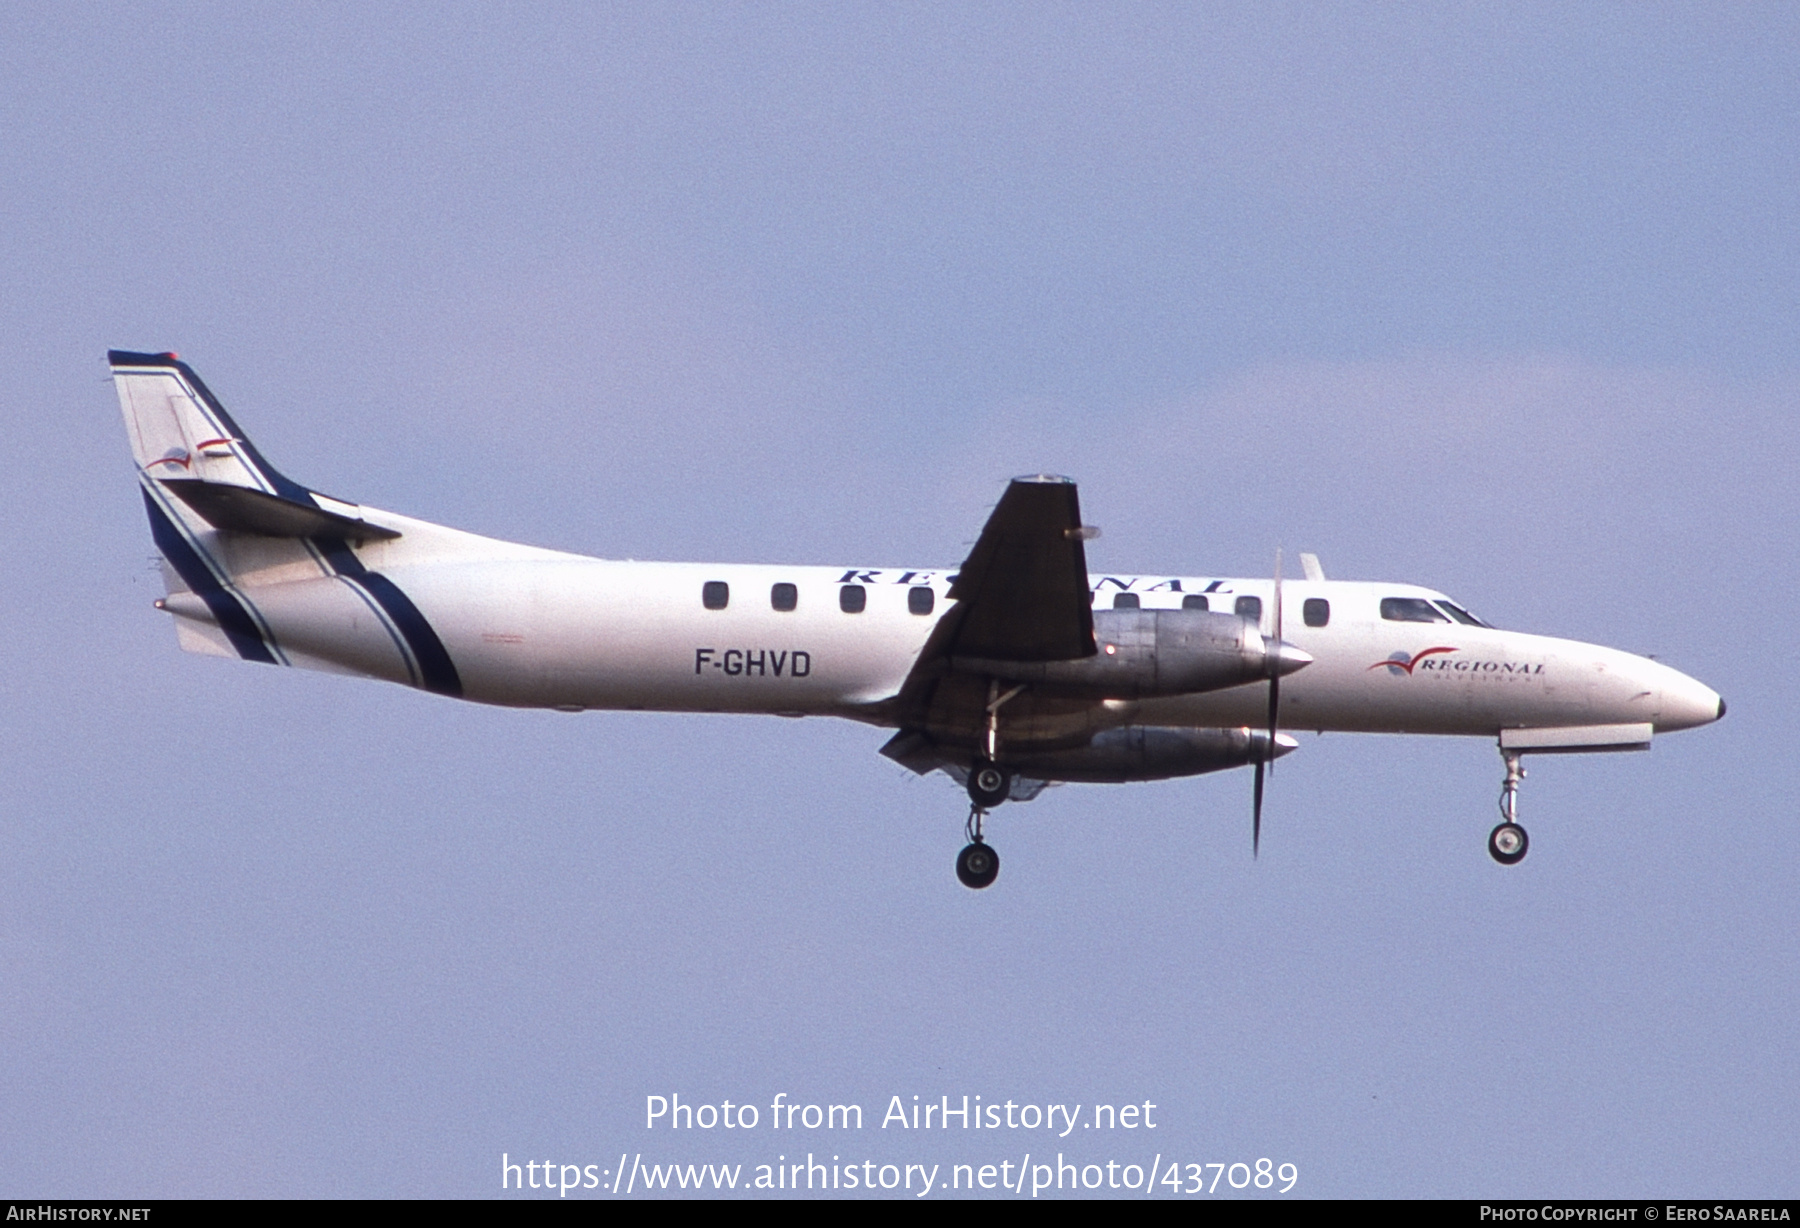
point(1022, 595)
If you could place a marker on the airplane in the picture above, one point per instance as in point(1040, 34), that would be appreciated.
point(1016, 670)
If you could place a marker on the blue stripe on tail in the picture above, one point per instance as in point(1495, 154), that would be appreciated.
point(436, 669)
point(227, 610)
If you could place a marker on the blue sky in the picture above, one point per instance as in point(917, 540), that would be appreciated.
point(1501, 301)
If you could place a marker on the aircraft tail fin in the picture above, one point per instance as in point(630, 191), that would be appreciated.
point(185, 442)
point(179, 430)
point(228, 524)
point(258, 566)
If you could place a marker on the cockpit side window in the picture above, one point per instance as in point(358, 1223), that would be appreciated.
point(1459, 614)
point(1411, 610)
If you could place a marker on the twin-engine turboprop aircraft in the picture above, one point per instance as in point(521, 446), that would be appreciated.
point(1015, 670)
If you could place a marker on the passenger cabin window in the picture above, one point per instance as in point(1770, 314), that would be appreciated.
point(1195, 601)
point(784, 597)
point(1125, 601)
point(1250, 608)
point(715, 595)
point(853, 598)
point(1316, 611)
point(920, 600)
point(1460, 615)
point(1411, 610)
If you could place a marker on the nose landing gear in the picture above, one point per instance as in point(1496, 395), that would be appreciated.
point(1508, 843)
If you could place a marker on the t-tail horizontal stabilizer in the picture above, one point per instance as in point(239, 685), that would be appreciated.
point(240, 509)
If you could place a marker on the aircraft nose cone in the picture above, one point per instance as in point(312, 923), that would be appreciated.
point(1284, 658)
point(1687, 703)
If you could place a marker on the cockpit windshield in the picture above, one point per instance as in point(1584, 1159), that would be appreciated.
point(1411, 610)
point(1459, 614)
point(1419, 610)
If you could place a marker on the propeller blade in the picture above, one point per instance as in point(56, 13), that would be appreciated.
point(1265, 762)
point(1278, 592)
point(1256, 813)
point(1275, 678)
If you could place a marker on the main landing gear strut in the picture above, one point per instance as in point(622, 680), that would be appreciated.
point(989, 784)
point(1508, 842)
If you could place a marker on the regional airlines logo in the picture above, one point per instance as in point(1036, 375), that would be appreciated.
point(1399, 664)
point(174, 456)
point(1434, 661)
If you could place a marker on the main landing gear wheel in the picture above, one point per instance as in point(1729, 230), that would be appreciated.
point(977, 865)
point(989, 784)
point(1507, 844)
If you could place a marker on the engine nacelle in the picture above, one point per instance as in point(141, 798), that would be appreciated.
point(1145, 653)
point(1152, 752)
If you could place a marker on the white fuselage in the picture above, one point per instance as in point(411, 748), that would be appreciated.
point(538, 628)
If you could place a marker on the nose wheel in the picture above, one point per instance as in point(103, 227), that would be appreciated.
point(1508, 843)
